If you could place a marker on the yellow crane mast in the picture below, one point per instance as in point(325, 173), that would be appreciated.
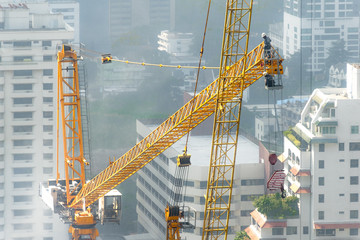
point(227, 118)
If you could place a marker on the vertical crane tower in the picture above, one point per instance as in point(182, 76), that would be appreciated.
point(227, 119)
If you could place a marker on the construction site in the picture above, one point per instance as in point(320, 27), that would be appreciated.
point(240, 130)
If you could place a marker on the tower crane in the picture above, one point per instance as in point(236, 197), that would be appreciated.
point(82, 202)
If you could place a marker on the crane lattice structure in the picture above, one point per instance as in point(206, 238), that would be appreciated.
point(227, 118)
point(173, 128)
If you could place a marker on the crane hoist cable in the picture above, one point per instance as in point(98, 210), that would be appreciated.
point(173, 212)
point(198, 72)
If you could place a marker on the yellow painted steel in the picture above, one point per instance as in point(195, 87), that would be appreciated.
point(241, 74)
point(227, 120)
point(69, 98)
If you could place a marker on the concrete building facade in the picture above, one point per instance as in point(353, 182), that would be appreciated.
point(71, 11)
point(29, 37)
point(154, 184)
point(315, 25)
point(321, 160)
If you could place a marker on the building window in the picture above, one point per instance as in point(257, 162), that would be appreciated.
point(22, 44)
point(354, 146)
point(47, 72)
point(332, 112)
point(321, 147)
point(321, 198)
point(277, 231)
point(354, 163)
point(354, 214)
point(321, 215)
point(21, 101)
point(47, 128)
point(22, 129)
point(186, 198)
point(46, 43)
point(321, 163)
point(23, 87)
point(47, 114)
point(48, 156)
point(47, 100)
point(22, 226)
point(291, 230)
point(249, 197)
point(305, 230)
point(252, 182)
point(48, 226)
point(22, 73)
point(23, 184)
point(341, 147)
point(354, 180)
point(22, 143)
point(321, 181)
point(23, 157)
point(22, 213)
point(354, 231)
point(325, 232)
point(19, 171)
point(355, 129)
point(47, 58)
point(354, 197)
point(22, 199)
point(341, 160)
point(47, 86)
point(245, 213)
point(48, 142)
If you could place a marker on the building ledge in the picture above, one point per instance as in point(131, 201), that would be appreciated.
point(252, 233)
point(298, 172)
point(263, 222)
point(297, 189)
point(282, 158)
point(336, 225)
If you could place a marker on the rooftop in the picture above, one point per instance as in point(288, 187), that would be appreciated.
point(200, 149)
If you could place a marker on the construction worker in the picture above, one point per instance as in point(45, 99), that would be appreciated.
point(269, 80)
point(267, 45)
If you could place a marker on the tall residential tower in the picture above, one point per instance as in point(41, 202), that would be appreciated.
point(29, 37)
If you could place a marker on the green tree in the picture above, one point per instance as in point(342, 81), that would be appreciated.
point(273, 206)
point(242, 236)
point(337, 53)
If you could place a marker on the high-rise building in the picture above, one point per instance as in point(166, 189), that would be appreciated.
point(70, 10)
point(155, 182)
point(29, 38)
point(321, 161)
point(314, 25)
point(124, 15)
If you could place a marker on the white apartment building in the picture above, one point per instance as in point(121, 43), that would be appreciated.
point(316, 25)
point(29, 37)
point(174, 43)
point(321, 160)
point(154, 184)
point(71, 11)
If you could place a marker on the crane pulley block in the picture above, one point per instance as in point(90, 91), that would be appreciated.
point(183, 160)
point(106, 58)
point(172, 213)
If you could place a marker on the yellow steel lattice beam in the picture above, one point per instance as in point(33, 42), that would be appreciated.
point(172, 129)
point(227, 121)
point(69, 102)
